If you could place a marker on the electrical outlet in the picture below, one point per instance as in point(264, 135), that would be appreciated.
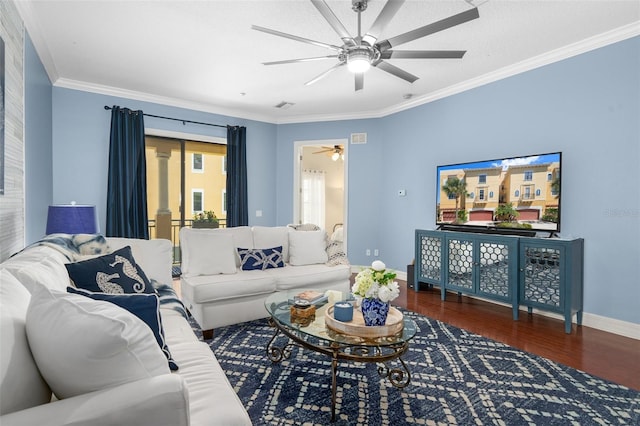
point(367, 252)
point(376, 252)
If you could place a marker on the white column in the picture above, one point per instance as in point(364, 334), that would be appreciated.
point(163, 181)
point(163, 214)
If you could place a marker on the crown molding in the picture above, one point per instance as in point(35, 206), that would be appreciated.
point(575, 49)
point(39, 41)
point(583, 46)
point(181, 103)
point(162, 100)
point(362, 115)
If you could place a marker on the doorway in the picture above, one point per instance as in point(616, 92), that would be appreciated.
point(320, 179)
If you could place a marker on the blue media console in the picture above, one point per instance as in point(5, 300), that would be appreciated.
point(540, 273)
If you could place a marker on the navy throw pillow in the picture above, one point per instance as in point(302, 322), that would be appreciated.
point(261, 259)
point(114, 273)
point(144, 306)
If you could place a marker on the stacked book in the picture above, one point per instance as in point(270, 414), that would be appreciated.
point(311, 297)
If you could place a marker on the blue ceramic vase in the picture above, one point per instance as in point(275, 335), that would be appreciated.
point(374, 311)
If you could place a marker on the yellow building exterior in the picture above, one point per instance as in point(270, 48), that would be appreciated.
point(483, 192)
point(529, 188)
point(204, 183)
point(448, 205)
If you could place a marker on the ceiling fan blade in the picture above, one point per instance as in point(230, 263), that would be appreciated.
point(386, 14)
point(324, 74)
point(293, 61)
point(336, 148)
point(443, 24)
point(333, 20)
point(392, 69)
point(423, 54)
point(296, 38)
point(359, 81)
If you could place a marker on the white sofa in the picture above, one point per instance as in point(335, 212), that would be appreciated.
point(218, 292)
point(198, 393)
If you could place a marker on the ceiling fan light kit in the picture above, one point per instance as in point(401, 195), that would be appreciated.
point(337, 152)
point(359, 59)
point(365, 51)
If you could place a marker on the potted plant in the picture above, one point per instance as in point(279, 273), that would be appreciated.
point(205, 219)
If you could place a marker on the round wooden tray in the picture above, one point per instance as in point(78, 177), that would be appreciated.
point(356, 326)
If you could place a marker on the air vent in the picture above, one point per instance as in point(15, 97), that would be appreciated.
point(358, 138)
point(285, 105)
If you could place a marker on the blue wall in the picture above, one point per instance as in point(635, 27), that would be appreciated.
point(366, 175)
point(81, 148)
point(37, 146)
point(587, 107)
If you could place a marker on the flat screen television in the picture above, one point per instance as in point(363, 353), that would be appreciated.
point(517, 195)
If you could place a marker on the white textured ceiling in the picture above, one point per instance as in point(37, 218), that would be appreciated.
point(204, 54)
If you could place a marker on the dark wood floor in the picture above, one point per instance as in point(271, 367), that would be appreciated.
point(606, 355)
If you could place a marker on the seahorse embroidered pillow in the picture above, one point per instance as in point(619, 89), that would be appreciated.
point(114, 273)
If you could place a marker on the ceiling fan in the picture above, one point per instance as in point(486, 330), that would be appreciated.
point(336, 151)
point(364, 51)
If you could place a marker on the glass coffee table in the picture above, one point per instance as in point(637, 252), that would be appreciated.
point(311, 332)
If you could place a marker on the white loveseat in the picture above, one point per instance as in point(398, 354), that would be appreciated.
point(218, 291)
point(198, 393)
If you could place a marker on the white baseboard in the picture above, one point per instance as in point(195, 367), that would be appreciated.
point(610, 325)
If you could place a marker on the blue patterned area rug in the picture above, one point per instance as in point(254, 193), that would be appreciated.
point(457, 378)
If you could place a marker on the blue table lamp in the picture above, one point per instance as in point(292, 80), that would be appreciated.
point(72, 219)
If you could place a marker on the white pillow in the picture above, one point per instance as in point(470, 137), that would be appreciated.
point(242, 238)
point(83, 345)
point(21, 385)
point(307, 247)
point(153, 256)
point(265, 237)
point(208, 253)
point(48, 272)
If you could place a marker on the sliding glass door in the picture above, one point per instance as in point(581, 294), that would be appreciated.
point(186, 186)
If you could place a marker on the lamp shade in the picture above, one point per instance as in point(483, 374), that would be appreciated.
point(72, 219)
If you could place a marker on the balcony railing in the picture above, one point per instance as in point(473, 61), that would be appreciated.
point(175, 234)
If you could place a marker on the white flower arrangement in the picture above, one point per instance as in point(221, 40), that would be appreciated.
point(376, 282)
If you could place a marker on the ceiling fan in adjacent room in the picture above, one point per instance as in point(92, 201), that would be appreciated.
point(337, 151)
point(364, 51)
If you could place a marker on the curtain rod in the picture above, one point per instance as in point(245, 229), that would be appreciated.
point(178, 119)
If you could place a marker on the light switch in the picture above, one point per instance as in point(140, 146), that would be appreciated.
point(402, 192)
point(258, 213)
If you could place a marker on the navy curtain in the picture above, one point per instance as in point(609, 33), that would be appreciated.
point(127, 179)
point(237, 209)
